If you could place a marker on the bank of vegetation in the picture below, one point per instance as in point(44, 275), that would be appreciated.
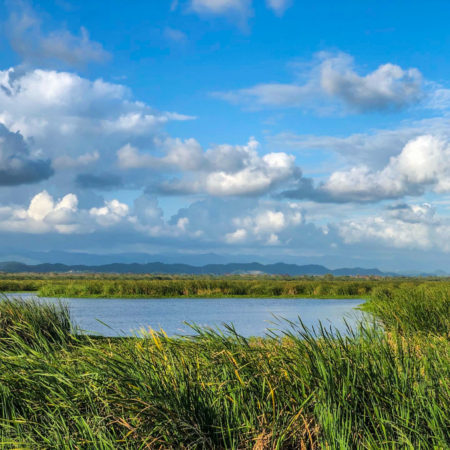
point(237, 286)
point(378, 387)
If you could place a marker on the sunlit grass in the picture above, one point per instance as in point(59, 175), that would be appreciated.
point(373, 388)
point(128, 286)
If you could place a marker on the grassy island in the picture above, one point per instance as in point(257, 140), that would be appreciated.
point(154, 286)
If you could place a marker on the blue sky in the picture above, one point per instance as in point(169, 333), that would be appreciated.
point(282, 130)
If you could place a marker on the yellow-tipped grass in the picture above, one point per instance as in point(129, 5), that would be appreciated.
point(373, 388)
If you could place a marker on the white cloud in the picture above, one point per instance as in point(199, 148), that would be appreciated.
point(185, 155)
point(240, 235)
point(41, 205)
point(373, 148)
point(219, 171)
point(258, 176)
point(334, 78)
point(424, 163)
point(62, 111)
point(45, 215)
point(403, 226)
point(139, 122)
point(394, 233)
point(265, 223)
point(387, 87)
point(33, 45)
point(111, 213)
point(278, 6)
point(219, 7)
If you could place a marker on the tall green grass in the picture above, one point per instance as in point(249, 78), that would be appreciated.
point(425, 308)
point(129, 286)
point(33, 321)
point(217, 287)
point(373, 388)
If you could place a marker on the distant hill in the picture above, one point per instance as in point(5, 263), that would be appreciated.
point(212, 269)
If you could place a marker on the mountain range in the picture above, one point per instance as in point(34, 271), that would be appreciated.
point(212, 269)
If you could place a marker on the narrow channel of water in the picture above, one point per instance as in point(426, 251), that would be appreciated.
point(250, 316)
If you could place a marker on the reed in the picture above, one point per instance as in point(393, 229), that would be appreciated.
point(220, 287)
point(33, 321)
point(424, 308)
point(373, 388)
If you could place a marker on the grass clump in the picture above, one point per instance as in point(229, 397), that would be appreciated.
point(33, 321)
point(373, 388)
point(424, 308)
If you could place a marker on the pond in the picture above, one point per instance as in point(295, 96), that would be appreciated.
point(250, 316)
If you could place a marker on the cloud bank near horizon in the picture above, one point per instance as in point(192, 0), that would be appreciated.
point(83, 159)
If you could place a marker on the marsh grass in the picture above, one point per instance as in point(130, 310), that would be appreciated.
point(32, 321)
point(373, 388)
point(218, 287)
point(424, 308)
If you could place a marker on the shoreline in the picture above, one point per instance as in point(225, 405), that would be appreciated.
point(206, 296)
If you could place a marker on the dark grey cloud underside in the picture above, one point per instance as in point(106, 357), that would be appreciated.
point(104, 181)
point(29, 172)
point(16, 164)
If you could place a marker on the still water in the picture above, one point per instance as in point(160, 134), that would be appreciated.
point(250, 316)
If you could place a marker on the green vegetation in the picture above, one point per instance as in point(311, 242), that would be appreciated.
point(206, 286)
point(376, 388)
point(424, 309)
point(20, 285)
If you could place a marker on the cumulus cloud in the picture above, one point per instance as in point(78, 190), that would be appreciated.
point(259, 175)
point(220, 171)
point(373, 148)
point(422, 165)
point(268, 223)
point(46, 215)
point(111, 213)
point(42, 216)
point(24, 30)
point(17, 165)
point(221, 222)
point(43, 101)
point(265, 224)
point(387, 87)
point(334, 78)
point(402, 226)
point(246, 222)
point(61, 113)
